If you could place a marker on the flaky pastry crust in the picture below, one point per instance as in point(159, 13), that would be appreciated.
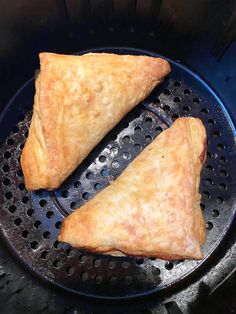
point(153, 208)
point(78, 100)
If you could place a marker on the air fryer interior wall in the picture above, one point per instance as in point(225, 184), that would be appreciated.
point(199, 34)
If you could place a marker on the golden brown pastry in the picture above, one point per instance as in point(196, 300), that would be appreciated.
point(153, 208)
point(78, 100)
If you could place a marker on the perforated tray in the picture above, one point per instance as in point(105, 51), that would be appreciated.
point(30, 221)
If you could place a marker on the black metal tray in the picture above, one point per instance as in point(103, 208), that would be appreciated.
point(30, 222)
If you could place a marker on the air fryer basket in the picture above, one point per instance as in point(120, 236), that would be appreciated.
point(53, 276)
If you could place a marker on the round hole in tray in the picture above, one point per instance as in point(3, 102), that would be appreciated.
point(6, 182)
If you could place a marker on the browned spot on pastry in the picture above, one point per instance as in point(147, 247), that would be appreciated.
point(130, 229)
point(202, 157)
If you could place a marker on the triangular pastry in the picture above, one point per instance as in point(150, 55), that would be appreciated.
point(153, 208)
point(78, 100)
